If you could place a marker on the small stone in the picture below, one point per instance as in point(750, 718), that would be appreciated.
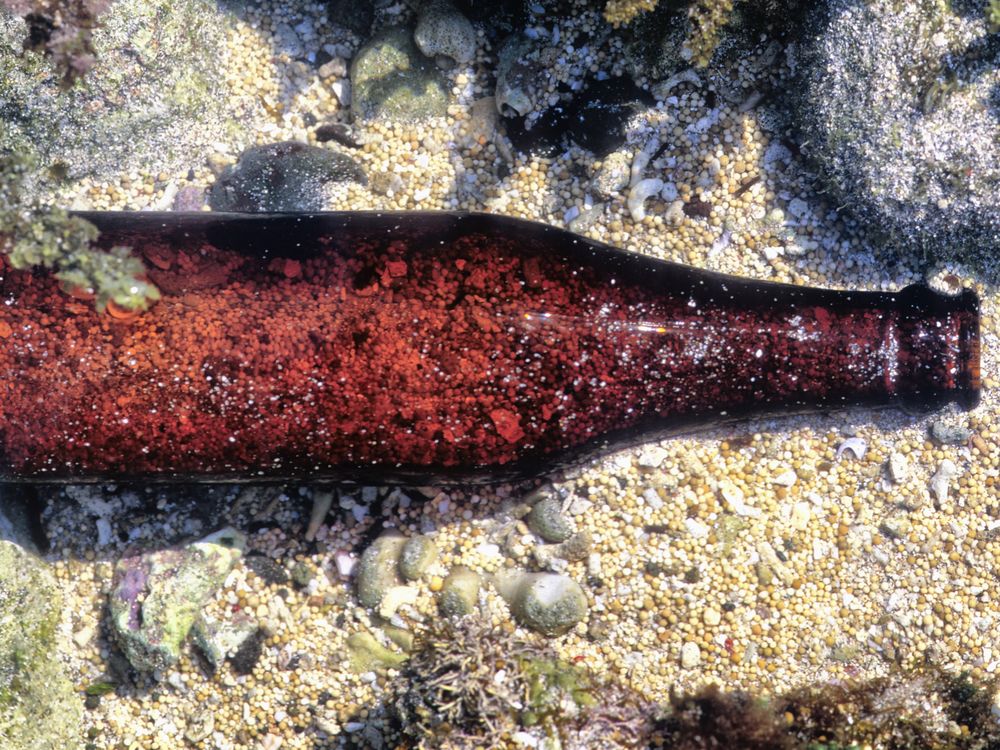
point(944, 433)
point(302, 575)
point(266, 569)
point(544, 602)
point(378, 569)
point(942, 477)
point(417, 555)
point(459, 592)
point(612, 177)
point(200, 725)
point(785, 478)
point(652, 456)
point(896, 526)
point(576, 548)
point(442, 30)
point(690, 655)
point(712, 617)
point(365, 653)
point(801, 513)
point(394, 598)
point(218, 639)
point(899, 468)
point(547, 520)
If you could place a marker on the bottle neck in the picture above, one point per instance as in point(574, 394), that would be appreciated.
point(936, 345)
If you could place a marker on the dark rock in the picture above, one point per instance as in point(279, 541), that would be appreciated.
point(287, 176)
point(594, 118)
point(267, 569)
point(337, 131)
point(356, 15)
point(391, 79)
point(248, 654)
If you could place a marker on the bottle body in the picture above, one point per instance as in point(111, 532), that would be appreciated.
point(427, 347)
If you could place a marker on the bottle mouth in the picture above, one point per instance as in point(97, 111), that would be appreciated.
point(969, 379)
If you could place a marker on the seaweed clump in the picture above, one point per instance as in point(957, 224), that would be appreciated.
point(62, 30)
point(929, 710)
point(32, 234)
point(470, 685)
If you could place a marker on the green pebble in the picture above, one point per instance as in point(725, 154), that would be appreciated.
point(365, 653)
point(418, 554)
point(378, 568)
point(460, 592)
point(547, 520)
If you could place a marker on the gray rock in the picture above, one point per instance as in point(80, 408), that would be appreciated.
point(547, 520)
point(392, 80)
point(442, 30)
point(899, 112)
point(576, 548)
point(220, 639)
point(287, 176)
point(460, 592)
point(521, 62)
point(417, 555)
point(155, 597)
point(156, 99)
point(544, 602)
point(39, 708)
point(15, 514)
point(944, 433)
point(378, 569)
point(612, 177)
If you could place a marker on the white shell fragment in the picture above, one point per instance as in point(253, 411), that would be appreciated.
point(939, 482)
point(639, 193)
point(734, 499)
point(855, 445)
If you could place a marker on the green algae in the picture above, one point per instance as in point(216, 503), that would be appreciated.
point(38, 707)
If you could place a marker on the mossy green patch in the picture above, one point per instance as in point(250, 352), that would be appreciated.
point(38, 708)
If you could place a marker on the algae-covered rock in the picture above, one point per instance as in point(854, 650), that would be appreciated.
point(156, 596)
point(287, 176)
point(548, 521)
point(366, 653)
point(546, 603)
point(417, 555)
point(442, 30)
point(460, 592)
point(900, 113)
point(391, 79)
point(378, 569)
point(39, 709)
point(156, 96)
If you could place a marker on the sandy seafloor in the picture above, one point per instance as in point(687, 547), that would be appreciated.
point(875, 575)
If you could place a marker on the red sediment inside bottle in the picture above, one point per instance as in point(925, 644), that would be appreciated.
point(472, 352)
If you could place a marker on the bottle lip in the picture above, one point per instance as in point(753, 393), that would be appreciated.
point(970, 378)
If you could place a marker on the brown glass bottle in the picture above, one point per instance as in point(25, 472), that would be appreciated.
point(427, 347)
